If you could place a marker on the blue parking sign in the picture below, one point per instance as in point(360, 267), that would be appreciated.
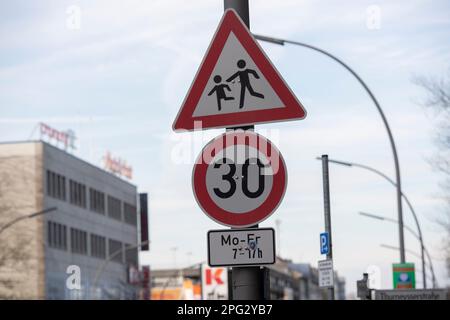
point(324, 243)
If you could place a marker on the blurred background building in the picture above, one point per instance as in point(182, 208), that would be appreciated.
point(287, 281)
point(95, 227)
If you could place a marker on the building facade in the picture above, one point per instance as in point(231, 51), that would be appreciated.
point(90, 240)
point(286, 280)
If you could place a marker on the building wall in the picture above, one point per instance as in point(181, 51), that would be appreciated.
point(21, 245)
point(85, 219)
point(23, 190)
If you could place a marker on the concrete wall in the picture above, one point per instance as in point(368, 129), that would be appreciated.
point(21, 245)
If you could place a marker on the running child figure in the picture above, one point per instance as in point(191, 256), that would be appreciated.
point(219, 89)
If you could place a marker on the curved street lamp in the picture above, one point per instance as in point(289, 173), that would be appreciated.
point(384, 176)
point(418, 237)
point(383, 117)
point(29, 216)
point(103, 265)
point(412, 253)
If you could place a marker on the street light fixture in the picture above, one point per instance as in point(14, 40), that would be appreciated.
point(29, 216)
point(103, 265)
point(433, 279)
point(374, 216)
point(383, 117)
point(384, 176)
point(387, 246)
point(417, 236)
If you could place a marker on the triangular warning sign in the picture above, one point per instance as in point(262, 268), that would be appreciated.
point(236, 84)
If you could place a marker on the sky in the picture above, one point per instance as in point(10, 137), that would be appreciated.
point(117, 72)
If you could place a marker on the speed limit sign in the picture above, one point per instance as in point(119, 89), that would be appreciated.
point(239, 179)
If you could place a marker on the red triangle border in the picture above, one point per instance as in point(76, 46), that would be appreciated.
point(292, 109)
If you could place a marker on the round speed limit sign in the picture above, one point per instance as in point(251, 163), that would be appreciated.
point(239, 179)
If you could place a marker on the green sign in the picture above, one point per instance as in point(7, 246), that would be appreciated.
point(404, 276)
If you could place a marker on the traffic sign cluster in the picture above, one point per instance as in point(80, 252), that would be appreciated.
point(240, 177)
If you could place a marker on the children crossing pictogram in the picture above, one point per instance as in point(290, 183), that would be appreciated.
point(236, 84)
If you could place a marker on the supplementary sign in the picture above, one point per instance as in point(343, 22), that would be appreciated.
point(326, 274)
point(236, 84)
point(239, 179)
point(241, 247)
point(214, 283)
point(411, 294)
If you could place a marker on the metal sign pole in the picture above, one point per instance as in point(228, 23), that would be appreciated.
point(327, 211)
point(245, 281)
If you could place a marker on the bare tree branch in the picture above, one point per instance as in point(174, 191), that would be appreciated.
point(438, 99)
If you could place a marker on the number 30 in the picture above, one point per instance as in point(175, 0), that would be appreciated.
point(230, 179)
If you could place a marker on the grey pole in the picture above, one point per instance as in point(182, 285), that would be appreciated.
point(246, 281)
point(417, 236)
point(241, 7)
point(433, 276)
point(384, 176)
point(385, 122)
point(432, 269)
point(327, 212)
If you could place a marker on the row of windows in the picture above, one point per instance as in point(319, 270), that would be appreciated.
point(78, 241)
point(57, 235)
point(97, 201)
point(129, 213)
point(56, 185)
point(117, 251)
point(98, 246)
point(56, 188)
point(114, 208)
point(77, 194)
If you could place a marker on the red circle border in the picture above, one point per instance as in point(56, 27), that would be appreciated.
point(256, 215)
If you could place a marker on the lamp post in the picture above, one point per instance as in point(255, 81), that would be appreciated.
point(387, 246)
point(384, 176)
point(383, 117)
point(433, 278)
point(103, 265)
point(278, 223)
point(417, 236)
point(29, 216)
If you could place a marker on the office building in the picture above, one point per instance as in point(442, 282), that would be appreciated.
point(89, 240)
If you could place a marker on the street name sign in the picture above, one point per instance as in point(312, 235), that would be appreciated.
point(236, 84)
point(239, 179)
point(324, 243)
point(326, 274)
point(241, 247)
point(411, 294)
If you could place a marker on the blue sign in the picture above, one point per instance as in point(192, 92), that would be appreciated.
point(324, 243)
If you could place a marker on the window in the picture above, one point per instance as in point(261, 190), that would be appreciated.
point(56, 185)
point(56, 235)
point(97, 201)
point(129, 212)
point(114, 208)
point(115, 248)
point(77, 193)
point(131, 255)
point(78, 241)
point(98, 246)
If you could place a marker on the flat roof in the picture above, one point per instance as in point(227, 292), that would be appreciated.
point(46, 144)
